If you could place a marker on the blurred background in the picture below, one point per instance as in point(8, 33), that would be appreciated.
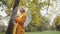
point(43, 15)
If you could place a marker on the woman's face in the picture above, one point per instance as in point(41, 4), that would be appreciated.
point(22, 10)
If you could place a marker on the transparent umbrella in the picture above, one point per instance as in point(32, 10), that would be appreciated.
point(28, 18)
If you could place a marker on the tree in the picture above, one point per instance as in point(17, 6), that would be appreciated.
point(14, 11)
point(3, 3)
point(45, 24)
point(57, 23)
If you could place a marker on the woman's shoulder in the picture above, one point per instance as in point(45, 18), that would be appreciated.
point(24, 14)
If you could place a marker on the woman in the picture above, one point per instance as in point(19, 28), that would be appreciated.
point(20, 20)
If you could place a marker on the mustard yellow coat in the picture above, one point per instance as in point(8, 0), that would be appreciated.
point(19, 28)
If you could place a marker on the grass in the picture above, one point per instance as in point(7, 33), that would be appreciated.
point(44, 32)
point(2, 33)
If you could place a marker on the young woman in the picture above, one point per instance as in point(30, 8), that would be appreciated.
point(20, 20)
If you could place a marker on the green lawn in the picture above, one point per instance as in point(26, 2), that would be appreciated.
point(1, 33)
point(44, 32)
point(51, 32)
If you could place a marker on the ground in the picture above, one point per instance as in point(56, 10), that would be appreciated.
point(44, 32)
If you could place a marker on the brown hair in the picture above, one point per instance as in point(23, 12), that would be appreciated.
point(22, 10)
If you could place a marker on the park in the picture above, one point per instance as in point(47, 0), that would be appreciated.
point(38, 16)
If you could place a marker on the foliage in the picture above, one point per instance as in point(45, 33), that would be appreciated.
point(34, 6)
point(45, 24)
point(4, 1)
point(57, 23)
point(38, 22)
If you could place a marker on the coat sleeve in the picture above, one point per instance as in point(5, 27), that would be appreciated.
point(22, 19)
point(16, 18)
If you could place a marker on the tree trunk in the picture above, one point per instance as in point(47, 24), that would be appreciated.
point(14, 12)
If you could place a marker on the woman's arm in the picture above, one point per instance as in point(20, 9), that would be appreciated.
point(16, 18)
point(22, 19)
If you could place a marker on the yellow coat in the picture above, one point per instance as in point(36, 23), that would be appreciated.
point(19, 29)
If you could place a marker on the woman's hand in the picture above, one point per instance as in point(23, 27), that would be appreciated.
point(16, 18)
